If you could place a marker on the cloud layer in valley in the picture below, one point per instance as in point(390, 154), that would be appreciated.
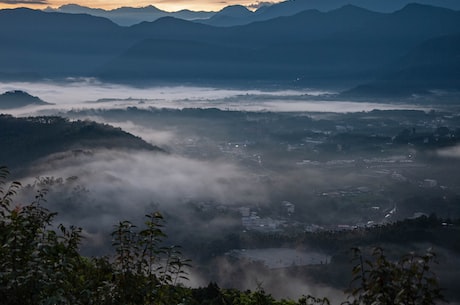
point(91, 94)
point(104, 187)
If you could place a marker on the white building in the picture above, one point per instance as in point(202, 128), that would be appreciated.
point(288, 207)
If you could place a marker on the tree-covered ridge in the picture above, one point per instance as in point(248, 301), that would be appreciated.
point(18, 98)
point(40, 264)
point(25, 140)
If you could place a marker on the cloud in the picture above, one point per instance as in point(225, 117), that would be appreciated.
point(280, 283)
point(260, 4)
point(450, 152)
point(163, 178)
point(157, 137)
point(24, 1)
point(118, 185)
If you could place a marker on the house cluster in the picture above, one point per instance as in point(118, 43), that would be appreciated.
point(254, 222)
point(251, 221)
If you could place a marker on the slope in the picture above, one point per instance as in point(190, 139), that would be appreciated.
point(25, 140)
point(432, 65)
point(346, 45)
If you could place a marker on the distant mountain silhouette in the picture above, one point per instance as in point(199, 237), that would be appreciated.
point(230, 16)
point(17, 99)
point(434, 64)
point(174, 29)
point(127, 16)
point(292, 7)
point(287, 8)
point(239, 15)
point(72, 8)
point(343, 47)
point(54, 44)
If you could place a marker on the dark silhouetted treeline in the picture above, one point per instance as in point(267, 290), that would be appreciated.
point(24, 140)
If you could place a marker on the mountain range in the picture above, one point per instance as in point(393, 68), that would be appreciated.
point(127, 16)
point(345, 47)
point(239, 15)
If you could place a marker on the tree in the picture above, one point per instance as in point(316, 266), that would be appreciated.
point(37, 262)
point(40, 263)
point(407, 281)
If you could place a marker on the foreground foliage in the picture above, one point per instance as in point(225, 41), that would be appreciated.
point(407, 281)
point(40, 264)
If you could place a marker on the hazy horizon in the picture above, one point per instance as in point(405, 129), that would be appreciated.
point(166, 5)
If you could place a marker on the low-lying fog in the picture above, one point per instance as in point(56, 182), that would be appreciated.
point(213, 169)
point(89, 93)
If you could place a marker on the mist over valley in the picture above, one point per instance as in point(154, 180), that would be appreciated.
point(231, 166)
point(272, 142)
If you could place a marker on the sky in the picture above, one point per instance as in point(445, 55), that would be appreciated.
point(167, 5)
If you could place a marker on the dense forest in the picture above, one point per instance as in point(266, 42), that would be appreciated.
point(27, 139)
point(40, 264)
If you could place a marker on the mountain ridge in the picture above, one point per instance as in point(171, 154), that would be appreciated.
point(127, 16)
point(349, 45)
point(432, 65)
point(290, 8)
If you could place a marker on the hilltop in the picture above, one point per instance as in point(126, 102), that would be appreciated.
point(26, 140)
point(18, 98)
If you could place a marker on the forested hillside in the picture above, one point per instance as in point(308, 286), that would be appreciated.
point(24, 140)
